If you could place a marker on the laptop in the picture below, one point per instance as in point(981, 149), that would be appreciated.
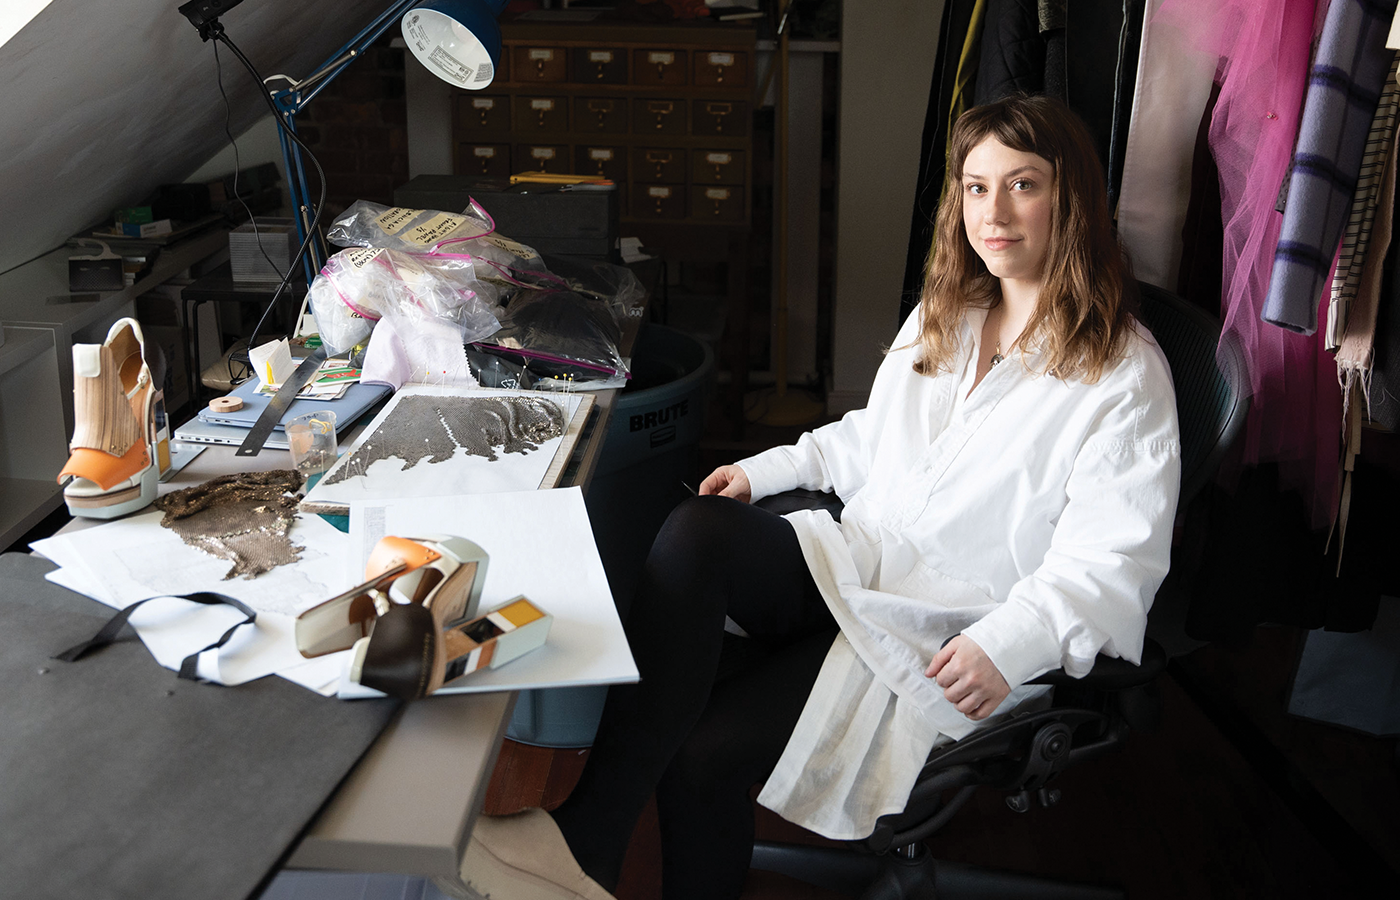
point(358, 400)
point(198, 431)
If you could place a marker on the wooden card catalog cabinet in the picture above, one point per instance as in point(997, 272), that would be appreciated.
point(609, 162)
point(598, 65)
point(659, 68)
point(540, 115)
point(536, 64)
point(482, 114)
point(600, 115)
point(660, 116)
point(663, 110)
point(551, 158)
point(719, 67)
point(491, 160)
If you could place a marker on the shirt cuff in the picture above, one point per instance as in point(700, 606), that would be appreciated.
point(1017, 643)
point(769, 472)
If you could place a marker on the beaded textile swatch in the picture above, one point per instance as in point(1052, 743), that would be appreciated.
point(433, 428)
point(242, 518)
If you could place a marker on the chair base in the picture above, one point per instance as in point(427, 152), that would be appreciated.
point(915, 877)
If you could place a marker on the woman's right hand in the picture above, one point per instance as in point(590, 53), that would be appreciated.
point(727, 481)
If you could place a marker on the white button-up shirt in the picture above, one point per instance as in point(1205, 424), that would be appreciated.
point(1033, 515)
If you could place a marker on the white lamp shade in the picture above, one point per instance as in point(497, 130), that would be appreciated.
point(457, 40)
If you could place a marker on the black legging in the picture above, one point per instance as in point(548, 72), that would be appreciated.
point(712, 714)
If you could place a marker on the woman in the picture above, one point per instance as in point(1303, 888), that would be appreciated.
point(1009, 495)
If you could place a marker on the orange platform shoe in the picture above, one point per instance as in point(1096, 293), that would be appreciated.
point(119, 447)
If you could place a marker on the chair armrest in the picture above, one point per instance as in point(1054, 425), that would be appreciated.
point(1113, 674)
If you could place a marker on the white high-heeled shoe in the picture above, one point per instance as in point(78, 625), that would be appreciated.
point(118, 449)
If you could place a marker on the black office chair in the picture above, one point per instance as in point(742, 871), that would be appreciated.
point(1090, 716)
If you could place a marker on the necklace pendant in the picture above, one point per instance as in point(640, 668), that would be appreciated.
point(996, 358)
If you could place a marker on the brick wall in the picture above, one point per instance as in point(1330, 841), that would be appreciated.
point(358, 128)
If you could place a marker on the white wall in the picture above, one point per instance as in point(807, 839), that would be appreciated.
point(257, 145)
point(887, 55)
point(101, 102)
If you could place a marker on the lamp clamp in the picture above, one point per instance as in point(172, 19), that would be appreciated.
point(204, 15)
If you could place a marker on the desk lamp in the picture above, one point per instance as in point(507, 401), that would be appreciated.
point(457, 40)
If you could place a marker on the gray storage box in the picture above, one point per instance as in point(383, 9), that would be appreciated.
point(566, 222)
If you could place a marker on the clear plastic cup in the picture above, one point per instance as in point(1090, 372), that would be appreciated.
point(312, 440)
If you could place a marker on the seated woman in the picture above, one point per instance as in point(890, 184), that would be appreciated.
point(1009, 498)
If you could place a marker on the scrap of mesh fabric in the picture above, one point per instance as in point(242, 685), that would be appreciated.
point(433, 428)
point(243, 518)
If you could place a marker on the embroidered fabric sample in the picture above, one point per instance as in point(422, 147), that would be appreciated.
point(432, 428)
point(242, 518)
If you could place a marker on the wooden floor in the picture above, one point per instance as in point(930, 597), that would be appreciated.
point(1228, 798)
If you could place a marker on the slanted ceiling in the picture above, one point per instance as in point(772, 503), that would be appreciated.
point(101, 102)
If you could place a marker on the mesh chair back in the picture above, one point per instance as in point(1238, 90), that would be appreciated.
point(1209, 377)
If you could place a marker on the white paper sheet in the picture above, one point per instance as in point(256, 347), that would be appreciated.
point(131, 559)
point(387, 480)
point(541, 545)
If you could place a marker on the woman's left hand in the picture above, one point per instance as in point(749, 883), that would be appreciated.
point(969, 679)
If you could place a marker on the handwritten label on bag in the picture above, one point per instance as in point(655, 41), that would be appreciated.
point(359, 258)
point(510, 246)
point(435, 229)
point(395, 220)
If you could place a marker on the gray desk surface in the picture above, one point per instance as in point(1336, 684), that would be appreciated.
point(409, 805)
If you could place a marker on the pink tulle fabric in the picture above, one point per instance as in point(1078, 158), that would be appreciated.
point(1264, 48)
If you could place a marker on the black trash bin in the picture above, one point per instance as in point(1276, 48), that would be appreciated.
point(649, 455)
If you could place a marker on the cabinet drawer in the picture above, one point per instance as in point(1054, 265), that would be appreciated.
point(479, 115)
point(492, 160)
point(658, 67)
point(723, 68)
point(541, 115)
point(717, 204)
point(540, 64)
point(600, 115)
point(552, 158)
point(598, 65)
point(607, 161)
point(658, 164)
point(658, 116)
point(714, 118)
point(658, 201)
point(717, 167)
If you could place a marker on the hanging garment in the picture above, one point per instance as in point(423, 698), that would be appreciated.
point(1101, 41)
point(1012, 59)
point(1343, 89)
point(1053, 15)
point(1263, 47)
point(1032, 515)
point(1174, 81)
point(1355, 239)
point(1384, 391)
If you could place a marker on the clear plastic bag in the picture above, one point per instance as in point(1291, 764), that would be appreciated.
point(358, 287)
point(469, 233)
point(562, 336)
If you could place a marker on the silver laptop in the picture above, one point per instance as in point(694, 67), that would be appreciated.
point(198, 431)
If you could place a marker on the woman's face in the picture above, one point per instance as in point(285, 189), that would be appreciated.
point(1007, 200)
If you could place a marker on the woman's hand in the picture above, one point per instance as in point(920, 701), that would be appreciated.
point(727, 481)
point(969, 679)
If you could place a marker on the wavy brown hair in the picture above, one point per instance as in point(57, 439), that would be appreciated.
point(1082, 314)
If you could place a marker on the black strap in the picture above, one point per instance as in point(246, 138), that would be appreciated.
point(276, 407)
point(188, 667)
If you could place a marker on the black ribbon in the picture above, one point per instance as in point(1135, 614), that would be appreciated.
point(188, 667)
